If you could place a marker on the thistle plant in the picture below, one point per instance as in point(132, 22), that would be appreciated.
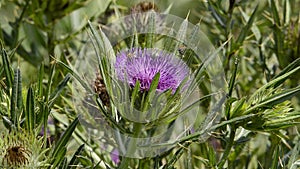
point(153, 88)
point(21, 145)
point(142, 108)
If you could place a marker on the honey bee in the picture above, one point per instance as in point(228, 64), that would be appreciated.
point(144, 7)
point(181, 49)
point(131, 55)
point(16, 156)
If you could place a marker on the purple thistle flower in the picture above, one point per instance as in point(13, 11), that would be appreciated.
point(114, 155)
point(143, 64)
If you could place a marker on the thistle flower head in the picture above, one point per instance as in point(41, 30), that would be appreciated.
point(20, 150)
point(143, 64)
point(114, 155)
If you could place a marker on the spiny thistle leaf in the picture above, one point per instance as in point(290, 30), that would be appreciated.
point(294, 157)
point(279, 97)
point(103, 51)
point(16, 99)
point(7, 68)
point(275, 82)
point(181, 35)
point(231, 86)
point(151, 30)
point(30, 119)
point(239, 108)
point(294, 65)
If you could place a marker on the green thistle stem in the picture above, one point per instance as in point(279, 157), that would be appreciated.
point(228, 148)
point(132, 145)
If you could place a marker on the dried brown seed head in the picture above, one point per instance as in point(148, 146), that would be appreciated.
point(100, 89)
point(144, 7)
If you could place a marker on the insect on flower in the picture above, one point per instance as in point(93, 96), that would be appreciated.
point(131, 55)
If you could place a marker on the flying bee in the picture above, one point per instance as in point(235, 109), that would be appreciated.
point(182, 49)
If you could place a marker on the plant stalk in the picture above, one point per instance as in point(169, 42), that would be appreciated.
point(132, 145)
point(228, 148)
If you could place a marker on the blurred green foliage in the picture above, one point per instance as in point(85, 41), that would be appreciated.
point(39, 28)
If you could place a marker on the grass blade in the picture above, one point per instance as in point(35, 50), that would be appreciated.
point(59, 158)
point(63, 164)
point(74, 160)
point(291, 66)
point(83, 83)
point(231, 86)
point(246, 29)
point(221, 20)
point(151, 92)
point(62, 142)
point(275, 13)
point(59, 89)
point(135, 93)
point(278, 35)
